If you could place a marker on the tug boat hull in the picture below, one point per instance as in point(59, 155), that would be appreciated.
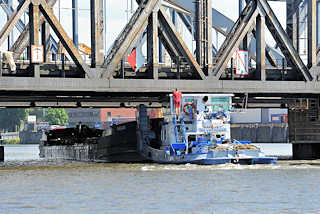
point(200, 134)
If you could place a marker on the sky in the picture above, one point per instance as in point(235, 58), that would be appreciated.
point(116, 16)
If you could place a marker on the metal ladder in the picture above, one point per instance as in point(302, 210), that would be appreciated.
point(185, 139)
point(174, 119)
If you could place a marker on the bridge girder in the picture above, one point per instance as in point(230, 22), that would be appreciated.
point(151, 15)
point(133, 31)
point(23, 40)
point(34, 7)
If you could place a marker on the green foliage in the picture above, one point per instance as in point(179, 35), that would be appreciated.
point(57, 116)
point(12, 141)
point(10, 118)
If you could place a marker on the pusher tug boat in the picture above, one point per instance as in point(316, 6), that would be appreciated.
point(200, 134)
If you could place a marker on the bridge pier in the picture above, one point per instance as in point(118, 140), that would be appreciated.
point(1, 153)
point(306, 151)
point(304, 126)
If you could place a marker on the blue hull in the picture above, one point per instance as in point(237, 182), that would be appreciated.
point(264, 160)
point(214, 161)
point(256, 160)
point(203, 159)
point(246, 161)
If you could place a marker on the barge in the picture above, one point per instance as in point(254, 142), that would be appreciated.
point(199, 134)
point(115, 144)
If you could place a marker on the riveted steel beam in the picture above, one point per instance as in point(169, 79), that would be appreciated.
point(23, 40)
point(152, 44)
point(236, 35)
point(292, 22)
point(45, 37)
point(178, 41)
point(244, 43)
point(34, 32)
point(21, 43)
point(67, 42)
point(260, 52)
point(10, 38)
point(187, 21)
point(283, 40)
point(176, 6)
point(75, 23)
point(167, 43)
point(223, 25)
point(34, 24)
point(203, 33)
point(97, 43)
point(312, 33)
point(7, 8)
point(199, 31)
point(80, 87)
point(8, 27)
point(129, 36)
point(209, 51)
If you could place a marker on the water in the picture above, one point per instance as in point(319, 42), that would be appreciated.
point(40, 186)
point(21, 152)
point(279, 150)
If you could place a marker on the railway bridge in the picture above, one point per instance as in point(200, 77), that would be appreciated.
point(244, 63)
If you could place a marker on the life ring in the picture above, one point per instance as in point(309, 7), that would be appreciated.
point(185, 108)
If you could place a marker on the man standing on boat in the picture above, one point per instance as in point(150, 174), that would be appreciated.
point(177, 101)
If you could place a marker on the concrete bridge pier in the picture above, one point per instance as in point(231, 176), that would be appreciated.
point(1, 153)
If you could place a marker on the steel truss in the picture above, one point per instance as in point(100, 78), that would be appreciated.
point(151, 23)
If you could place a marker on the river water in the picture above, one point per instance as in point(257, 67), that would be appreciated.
point(32, 185)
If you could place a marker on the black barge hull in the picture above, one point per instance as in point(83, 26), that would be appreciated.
point(119, 144)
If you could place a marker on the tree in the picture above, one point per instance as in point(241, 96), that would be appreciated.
point(11, 118)
point(57, 116)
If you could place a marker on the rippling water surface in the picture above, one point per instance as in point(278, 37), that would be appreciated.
point(41, 186)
